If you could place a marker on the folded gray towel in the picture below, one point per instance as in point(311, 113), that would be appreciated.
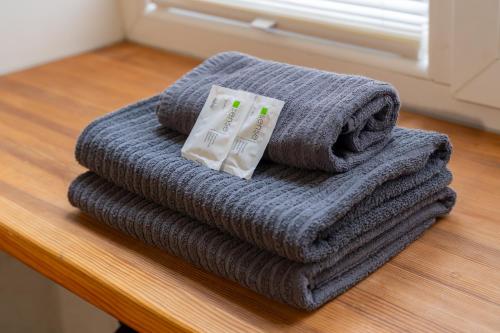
point(305, 286)
point(306, 216)
point(330, 122)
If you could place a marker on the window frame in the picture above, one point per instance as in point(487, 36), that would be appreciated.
point(442, 85)
point(397, 42)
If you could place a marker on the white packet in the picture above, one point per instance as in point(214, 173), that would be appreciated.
point(217, 125)
point(253, 137)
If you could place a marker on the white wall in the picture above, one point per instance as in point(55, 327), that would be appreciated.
point(29, 302)
point(78, 316)
point(34, 32)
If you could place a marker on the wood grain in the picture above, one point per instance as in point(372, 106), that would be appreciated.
point(447, 281)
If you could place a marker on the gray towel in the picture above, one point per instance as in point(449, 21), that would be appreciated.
point(305, 216)
point(305, 286)
point(330, 122)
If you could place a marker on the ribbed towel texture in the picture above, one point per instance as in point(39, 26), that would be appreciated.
point(305, 286)
point(301, 237)
point(294, 213)
point(330, 122)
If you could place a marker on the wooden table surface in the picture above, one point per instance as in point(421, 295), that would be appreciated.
point(449, 280)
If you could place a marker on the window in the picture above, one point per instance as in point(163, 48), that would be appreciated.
point(428, 49)
point(397, 26)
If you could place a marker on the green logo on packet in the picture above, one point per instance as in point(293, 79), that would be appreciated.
point(263, 111)
point(236, 104)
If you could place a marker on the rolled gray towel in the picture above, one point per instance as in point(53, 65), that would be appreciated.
point(306, 216)
point(305, 286)
point(330, 121)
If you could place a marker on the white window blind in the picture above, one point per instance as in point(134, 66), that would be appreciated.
point(396, 26)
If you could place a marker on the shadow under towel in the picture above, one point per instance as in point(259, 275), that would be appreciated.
point(330, 122)
point(305, 286)
point(305, 216)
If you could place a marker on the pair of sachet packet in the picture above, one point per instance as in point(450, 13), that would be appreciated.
point(232, 131)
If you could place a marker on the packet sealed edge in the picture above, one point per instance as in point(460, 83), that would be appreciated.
point(217, 126)
point(253, 137)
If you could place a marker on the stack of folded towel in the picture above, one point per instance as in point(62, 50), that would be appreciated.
point(339, 192)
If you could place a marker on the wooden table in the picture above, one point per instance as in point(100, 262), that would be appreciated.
point(449, 280)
